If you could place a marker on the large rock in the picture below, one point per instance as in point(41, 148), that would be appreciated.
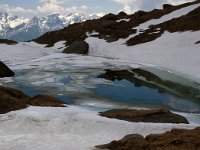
point(8, 42)
point(5, 71)
point(78, 47)
point(47, 101)
point(167, 6)
point(154, 116)
point(176, 139)
point(13, 99)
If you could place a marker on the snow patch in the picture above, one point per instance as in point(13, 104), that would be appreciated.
point(37, 128)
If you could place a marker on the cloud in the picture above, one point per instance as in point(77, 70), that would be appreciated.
point(130, 6)
point(127, 5)
point(9, 9)
point(54, 6)
point(176, 2)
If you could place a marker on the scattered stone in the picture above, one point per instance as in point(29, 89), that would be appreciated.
point(5, 71)
point(9, 42)
point(154, 116)
point(45, 100)
point(176, 139)
point(78, 47)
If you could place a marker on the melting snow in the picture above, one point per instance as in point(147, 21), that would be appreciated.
point(73, 128)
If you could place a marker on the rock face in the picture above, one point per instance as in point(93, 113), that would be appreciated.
point(154, 116)
point(176, 139)
point(77, 47)
point(5, 71)
point(13, 99)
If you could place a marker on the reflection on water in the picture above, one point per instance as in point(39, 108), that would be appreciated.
point(79, 83)
point(126, 92)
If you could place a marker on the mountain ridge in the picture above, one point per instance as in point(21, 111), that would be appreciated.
point(131, 28)
point(25, 29)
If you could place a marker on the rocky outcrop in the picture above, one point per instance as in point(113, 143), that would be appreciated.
point(154, 116)
point(13, 99)
point(5, 71)
point(9, 42)
point(77, 47)
point(176, 139)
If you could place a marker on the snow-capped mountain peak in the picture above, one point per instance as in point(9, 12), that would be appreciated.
point(24, 29)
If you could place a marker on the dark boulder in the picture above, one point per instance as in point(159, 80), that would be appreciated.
point(12, 99)
point(47, 101)
point(176, 139)
point(122, 14)
point(109, 24)
point(166, 6)
point(5, 71)
point(154, 116)
point(110, 16)
point(77, 47)
point(9, 42)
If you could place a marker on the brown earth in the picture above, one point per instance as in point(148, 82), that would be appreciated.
point(5, 71)
point(109, 29)
point(9, 42)
point(176, 139)
point(13, 99)
point(154, 116)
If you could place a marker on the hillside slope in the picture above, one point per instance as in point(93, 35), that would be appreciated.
point(167, 38)
point(138, 28)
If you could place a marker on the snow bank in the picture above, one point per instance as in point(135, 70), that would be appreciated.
point(174, 14)
point(73, 128)
point(176, 51)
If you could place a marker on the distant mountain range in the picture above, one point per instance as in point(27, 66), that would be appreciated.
point(24, 29)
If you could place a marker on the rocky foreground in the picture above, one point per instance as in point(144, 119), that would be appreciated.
point(176, 139)
point(13, 99)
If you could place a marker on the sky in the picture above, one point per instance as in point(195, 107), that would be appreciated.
point(30, 8)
